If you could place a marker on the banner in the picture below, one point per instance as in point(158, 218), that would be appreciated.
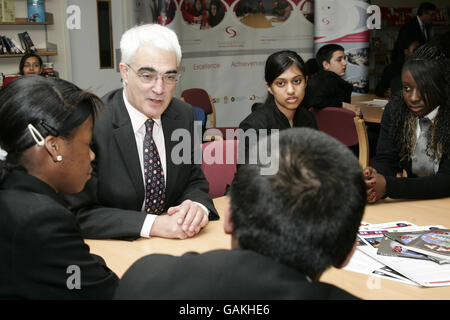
point(344, 22)
point(225, 45)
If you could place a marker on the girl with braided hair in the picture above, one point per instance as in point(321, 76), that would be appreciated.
point(414, 135)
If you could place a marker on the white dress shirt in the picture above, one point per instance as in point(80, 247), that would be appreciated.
point(138, 120)
point(3, 154)
point(422, 27)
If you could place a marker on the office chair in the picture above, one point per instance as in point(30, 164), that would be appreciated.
point(200, 98)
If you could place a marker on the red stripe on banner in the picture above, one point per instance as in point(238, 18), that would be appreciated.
point(355, 37)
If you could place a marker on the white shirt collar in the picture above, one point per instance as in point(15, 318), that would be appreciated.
point(137, 118)
point(432, 114)
point(420, 23)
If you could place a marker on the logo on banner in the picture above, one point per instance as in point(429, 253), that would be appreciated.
point(231, 32)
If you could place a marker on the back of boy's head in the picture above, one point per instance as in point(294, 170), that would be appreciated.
point(305, 216)
point(325, 53)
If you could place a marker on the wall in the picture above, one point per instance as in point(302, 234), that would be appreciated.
point(85, 64)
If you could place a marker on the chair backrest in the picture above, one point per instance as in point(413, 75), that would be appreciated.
point(200, 98)
point(363, 142)
point(338, 123)
point(219, 164)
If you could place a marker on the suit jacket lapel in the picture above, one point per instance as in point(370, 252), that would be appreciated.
point(124, 136)
point(170, 121)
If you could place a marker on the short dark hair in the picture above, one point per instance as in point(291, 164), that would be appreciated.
point(305, 216)
point(325, 53)
point(312, 67)
point(25, 57)
point(425, 7)
point(47, 104)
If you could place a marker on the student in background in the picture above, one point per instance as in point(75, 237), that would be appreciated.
point(46, 128)
point(286, 79)
point(326, 88)
point(391, 78)
point(415, 133)
point(283, 239)
point(30, 64)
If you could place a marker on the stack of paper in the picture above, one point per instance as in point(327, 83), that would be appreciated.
point(376, 102)
point(385, 256)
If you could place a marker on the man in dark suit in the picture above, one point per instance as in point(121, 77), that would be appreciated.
point(139, 171)
point(418, 27)
point(287, 228)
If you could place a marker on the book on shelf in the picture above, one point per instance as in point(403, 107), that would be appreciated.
point(26, 42)
point(48, 70)
point(3, 47)
point(18, 46)
point(7, 11)
point(10, 46)
point(36, 10)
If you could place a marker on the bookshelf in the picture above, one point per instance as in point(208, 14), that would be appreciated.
point(40, 52)
point(50, 48)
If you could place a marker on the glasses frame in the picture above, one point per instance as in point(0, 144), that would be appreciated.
point(163, 76)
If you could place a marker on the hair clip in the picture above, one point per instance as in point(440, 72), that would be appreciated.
point(37, 136)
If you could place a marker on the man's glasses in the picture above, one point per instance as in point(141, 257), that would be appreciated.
point(149, 77)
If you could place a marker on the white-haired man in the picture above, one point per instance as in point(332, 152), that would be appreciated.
point(135, 180)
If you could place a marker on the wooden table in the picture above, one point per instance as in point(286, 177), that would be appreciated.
point(119, 255)
point(371, 113)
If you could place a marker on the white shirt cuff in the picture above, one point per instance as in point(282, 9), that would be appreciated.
point(203, 207)
point(148, 223)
